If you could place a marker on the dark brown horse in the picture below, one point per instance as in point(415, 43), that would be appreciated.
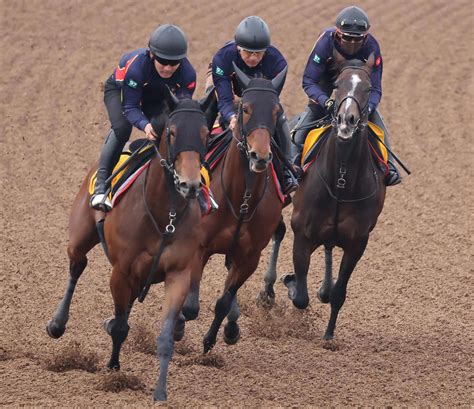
point(340, 197)
point(152, 235)
point(249, 206)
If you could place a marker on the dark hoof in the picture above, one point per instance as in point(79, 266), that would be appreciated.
point(54, 330)
point(266, 299)
point(208, 345)
point(179, 330)
point(231, 333)
point(113, 366)
point(323, 296)
point(301, 304)
point(159, 396)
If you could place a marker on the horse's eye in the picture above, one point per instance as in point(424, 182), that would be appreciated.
point(245, 110)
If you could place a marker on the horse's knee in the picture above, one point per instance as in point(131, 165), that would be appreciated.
point(224, 304)
point(280, 232)
point(190, 311)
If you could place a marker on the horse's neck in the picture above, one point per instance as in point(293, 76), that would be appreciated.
point(357, 164)
point(234, 179)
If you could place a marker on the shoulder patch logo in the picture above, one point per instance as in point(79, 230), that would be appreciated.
point(219, 71)
point(317, 58)
point(132, 83)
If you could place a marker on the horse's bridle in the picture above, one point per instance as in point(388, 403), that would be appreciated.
point(244, 131)
point(362, 110)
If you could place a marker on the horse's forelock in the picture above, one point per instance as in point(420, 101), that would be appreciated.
point(260, 83)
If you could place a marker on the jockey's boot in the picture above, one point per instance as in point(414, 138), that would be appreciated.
point(283, 140)
point(108, 158)
point(393, 178)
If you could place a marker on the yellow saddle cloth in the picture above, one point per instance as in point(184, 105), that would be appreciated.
point(315, 135)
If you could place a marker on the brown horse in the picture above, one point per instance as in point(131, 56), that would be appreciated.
point(341, 195)
point(151, 236)
point(249, 206)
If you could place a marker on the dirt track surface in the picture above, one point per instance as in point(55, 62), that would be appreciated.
point(404, 336)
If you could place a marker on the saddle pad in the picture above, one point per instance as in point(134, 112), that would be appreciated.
point(317, 136)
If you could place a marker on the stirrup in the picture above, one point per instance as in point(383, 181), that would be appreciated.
point(393, 178)
point(100, 201)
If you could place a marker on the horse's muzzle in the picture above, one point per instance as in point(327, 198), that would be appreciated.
point(258, 164)
point(189, 189)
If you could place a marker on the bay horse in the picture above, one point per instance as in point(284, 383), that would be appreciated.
point(249, 205)
point(340, 197)
point(151, 235)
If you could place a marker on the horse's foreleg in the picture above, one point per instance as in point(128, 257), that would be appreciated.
point(297, 284)
point(338, 294)
point(267, 295)
point(324, 291)
point(81, 241)
point(118, 327)
point(237, 276)
point(176, 288)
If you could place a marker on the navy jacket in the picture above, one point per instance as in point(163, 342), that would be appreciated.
point(140, 83)
point(317, 73)
point(271, 65)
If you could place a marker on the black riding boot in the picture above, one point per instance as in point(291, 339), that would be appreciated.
point(284, 140)
point(393, 177)
point(108, 158)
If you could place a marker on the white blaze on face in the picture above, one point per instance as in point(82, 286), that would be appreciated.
point(355, 79)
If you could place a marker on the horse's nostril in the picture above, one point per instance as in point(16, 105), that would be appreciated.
point(183, 185)
point(270, 157)
point(352, 120)
point(339, 119)
point(253, 156)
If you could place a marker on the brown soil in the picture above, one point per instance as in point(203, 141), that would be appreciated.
point(404, 337)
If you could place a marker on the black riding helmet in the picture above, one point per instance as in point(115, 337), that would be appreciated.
point(168, 42)
point(252, 34)
point(353, 21)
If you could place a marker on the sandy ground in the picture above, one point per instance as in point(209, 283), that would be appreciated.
point(404, 337)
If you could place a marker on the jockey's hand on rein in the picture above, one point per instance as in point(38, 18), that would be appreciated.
point(150, 133)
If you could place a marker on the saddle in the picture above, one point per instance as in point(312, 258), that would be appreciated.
point(316, 137)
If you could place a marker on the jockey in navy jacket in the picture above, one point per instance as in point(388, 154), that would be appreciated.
point(269, 67)
point(141, 84)
point(318, 67)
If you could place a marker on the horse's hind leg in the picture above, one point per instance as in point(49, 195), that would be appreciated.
point(237, 276)
point(176, 288)
point(83, 237)
point(324, 291)
point(297, 284)
point(266, 297)
point(338, 293)
point(231, 329)
point(117, 327)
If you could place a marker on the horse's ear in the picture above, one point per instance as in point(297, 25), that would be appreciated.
point(370, 61)
point(208, 99)
point(279, 80)
point(171, 99)
point(242, 78)
point(338, 57)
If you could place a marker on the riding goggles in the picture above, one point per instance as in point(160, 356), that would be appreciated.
point(164, 61)
point(350, 25)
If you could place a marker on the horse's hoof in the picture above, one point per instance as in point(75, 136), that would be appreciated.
point(231, 333)
point(108, 326)
point(179, 330)
point(208, 345)
point(322, 296)
point(159, 396)
point(301, 304)
point(265, 299)
point(113, 366)
point(54, 330)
